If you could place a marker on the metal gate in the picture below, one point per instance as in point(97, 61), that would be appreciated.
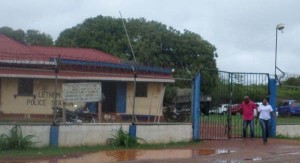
point(221, 117)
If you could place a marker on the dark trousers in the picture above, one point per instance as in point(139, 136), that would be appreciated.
point(245, 127)
point(264, 127)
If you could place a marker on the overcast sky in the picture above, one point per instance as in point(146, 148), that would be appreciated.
point(243, 31)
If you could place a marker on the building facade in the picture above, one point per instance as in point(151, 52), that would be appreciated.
point(32, 78)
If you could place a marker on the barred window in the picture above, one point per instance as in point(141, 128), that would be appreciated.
point(25, 87)
point(141, 90)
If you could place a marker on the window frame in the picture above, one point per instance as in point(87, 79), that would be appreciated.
point(26, 90)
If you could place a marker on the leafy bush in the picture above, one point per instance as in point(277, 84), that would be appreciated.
point(123, 139)
point(15, 139)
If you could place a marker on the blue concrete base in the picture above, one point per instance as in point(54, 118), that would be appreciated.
point(54, 131)
point(132, 130)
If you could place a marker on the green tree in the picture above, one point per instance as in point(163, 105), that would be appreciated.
point(31, 37)
point(289, 89)
point(153, 43)
point(292, 81)
point(34, 37)
point(18, 35)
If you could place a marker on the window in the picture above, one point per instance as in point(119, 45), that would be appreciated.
point(25, 87)
point(141, 90)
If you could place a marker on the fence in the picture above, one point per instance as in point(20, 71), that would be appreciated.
point(222, 117)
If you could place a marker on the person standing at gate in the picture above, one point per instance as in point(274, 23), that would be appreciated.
point(247, 108)
point(264, 111)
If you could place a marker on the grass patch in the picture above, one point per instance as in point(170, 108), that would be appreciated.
point(279, 136)
point(288, 120)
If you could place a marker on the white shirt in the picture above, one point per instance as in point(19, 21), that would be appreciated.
point(265, 112)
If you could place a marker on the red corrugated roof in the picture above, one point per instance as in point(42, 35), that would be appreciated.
point(13, 49)
point(14, 52)
point(10, 49)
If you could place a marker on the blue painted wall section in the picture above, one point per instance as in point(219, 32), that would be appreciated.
point(121, 98)
point(272, 102)
point(54, 132)
point(196, 107)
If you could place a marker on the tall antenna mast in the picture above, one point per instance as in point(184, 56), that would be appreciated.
point(128, 37)
point(133, 119)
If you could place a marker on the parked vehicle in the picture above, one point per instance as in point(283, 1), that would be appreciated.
point(171, 114)
point(289, 108)
point(183, 101)
point(236, 109)
point(80, 115)
point(221, 109)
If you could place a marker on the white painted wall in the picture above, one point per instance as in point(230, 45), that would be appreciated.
point(87, 134)
point(288, 130)
point(41, 133)
point(97, 134)
point(165, 133)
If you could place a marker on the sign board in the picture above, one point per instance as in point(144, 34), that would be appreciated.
point(81, 92)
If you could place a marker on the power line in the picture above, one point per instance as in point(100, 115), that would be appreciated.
point(258, 43)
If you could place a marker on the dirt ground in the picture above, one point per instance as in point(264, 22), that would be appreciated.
point(217, 151)
point(248, 150)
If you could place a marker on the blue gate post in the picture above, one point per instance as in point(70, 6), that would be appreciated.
point(272, 101)
point(196, 107)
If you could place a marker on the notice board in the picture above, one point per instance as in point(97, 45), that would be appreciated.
point(81, 92)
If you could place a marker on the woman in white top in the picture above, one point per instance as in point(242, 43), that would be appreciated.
point(264, 115)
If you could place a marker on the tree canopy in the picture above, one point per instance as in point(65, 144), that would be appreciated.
point(289, 89)
point(292, 81)
point(153, 43)
point(30, 37)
